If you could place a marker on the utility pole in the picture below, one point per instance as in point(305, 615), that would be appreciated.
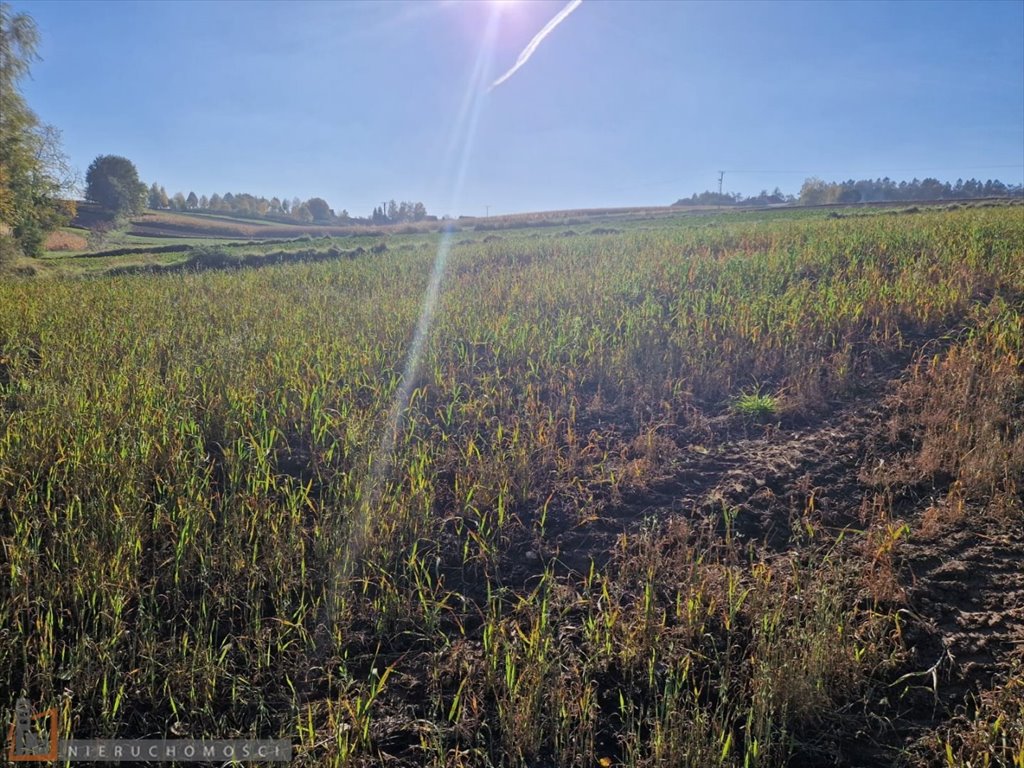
point(721, 175)
point(488, 211)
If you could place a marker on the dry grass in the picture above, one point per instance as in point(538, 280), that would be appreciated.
point(992, 735)
point(962, 413)
point(62, 240)
point(208, 517)
point(164, 224)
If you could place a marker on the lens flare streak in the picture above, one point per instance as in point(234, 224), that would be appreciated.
point(383, 461)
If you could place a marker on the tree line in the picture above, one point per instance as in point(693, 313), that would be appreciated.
point(734, 198)
point(113, 183)
point(315, 210)
point(244, 205)
point(815, 191)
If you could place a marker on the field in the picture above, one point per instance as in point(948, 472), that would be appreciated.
point(738, 490)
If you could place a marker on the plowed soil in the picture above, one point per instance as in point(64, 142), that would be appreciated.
point(959, 584)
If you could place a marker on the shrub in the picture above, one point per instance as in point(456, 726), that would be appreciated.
point(210, 257)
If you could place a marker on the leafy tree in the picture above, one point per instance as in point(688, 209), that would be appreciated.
point(113, 182)
point(34, 172)
point(813, 192)
point(204, 203)
point(178, 202)
point(192, 202)
point(320, 210)
point(157, 197)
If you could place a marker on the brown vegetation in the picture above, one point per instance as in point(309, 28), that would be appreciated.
point(61, 240)
point(651, 498)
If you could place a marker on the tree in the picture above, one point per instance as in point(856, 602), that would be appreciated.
point(192, 202)
point(813, 192)
point(157, 197)
point(320, 210)
point(34, 172)
point(113, 182)
point(178, 202)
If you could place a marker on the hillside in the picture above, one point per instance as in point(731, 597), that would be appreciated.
point(737, 489)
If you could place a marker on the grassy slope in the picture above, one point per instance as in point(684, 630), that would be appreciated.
point(160, 228)
point(199, 516)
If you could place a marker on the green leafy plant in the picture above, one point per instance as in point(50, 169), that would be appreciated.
point(756, 404)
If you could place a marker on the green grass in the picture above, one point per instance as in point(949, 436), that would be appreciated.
point(756, 404)
point(204, 519)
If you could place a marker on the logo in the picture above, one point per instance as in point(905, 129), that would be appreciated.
point(32, 737)
point(25, 741)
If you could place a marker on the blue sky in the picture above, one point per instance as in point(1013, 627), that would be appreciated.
point(624, 103)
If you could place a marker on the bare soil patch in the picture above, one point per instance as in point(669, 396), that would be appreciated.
point(959, 585)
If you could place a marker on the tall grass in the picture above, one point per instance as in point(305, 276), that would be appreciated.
point(182, 458)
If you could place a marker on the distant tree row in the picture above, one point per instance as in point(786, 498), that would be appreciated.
point(242, 204)
point(396, 213)
point(315, 210)
point(817, 192)
point(733, 198)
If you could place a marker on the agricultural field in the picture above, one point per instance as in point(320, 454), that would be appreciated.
point(738, 490)
point(157, 227)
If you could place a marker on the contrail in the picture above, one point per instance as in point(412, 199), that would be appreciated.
point(537, 39)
